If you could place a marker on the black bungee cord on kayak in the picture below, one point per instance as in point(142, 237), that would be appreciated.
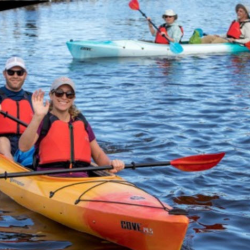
point(173, 211)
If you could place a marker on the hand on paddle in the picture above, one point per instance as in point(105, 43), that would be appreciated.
point(150, 25)
point(190, 164)
point(231, 40)
point(176, 48)
point(153, 31)
point(117, 165)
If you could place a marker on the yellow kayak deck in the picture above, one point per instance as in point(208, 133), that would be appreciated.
point(107, 207)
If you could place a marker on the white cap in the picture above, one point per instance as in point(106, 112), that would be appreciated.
point(169, 13)
point(61, 81)
point(14, 62)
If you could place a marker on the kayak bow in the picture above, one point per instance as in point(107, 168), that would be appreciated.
point(107, 207)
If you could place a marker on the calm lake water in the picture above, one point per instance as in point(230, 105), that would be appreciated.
point(142, 110)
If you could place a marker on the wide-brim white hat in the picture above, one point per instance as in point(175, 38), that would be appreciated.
point(244, 7)
point(169, 13)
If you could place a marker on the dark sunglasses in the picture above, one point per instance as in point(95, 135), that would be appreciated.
point(60, 93)
point(11, 72)
point(167, 16)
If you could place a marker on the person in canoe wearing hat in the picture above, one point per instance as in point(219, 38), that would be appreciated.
point(171, 29)
point(61, 134)
point(14, 101)
point(238, 32)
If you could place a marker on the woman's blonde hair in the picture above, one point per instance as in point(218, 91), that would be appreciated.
point(73, 111)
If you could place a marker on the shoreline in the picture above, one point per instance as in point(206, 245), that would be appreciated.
point(7, 5)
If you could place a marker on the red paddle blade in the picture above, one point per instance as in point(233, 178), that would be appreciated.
point(197, 162)
point(134, 5)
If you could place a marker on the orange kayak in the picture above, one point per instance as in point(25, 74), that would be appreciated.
point(107, 207)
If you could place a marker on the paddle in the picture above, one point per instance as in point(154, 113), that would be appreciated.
point(189, 164)
point(5, 114)
point(174, 47)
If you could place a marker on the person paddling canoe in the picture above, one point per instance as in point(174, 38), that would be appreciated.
point(238, 32)
point(170, 29)
point(16, 101)
point(62, 136)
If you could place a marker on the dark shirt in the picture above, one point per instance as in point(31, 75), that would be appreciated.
point(16, 96)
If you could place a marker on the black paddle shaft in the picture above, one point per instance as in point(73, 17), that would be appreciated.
point(153, 25)
point(5, 114)
point(133, 165)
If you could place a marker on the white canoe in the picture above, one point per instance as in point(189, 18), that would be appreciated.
point(82, 50)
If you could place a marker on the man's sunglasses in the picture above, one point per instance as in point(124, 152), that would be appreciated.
point(60, 93)
point(11, 72)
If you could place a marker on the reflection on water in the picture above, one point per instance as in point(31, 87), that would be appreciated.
point(17, 221)
point(23, 229)
point(25, 241)
point(200, 202)
point(198, 199)
point(205, 228)
point(239, 64)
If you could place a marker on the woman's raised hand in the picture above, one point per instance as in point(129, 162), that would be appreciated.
point(40, 108)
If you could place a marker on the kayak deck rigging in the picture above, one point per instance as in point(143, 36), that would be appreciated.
point(140, 221)
point(103, 182)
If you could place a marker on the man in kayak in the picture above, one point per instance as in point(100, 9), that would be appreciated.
point(62, 136)
point(16, 102)
point(170, 29)
point(238, 32)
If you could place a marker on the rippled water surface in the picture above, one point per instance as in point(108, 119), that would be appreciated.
point(142, 110)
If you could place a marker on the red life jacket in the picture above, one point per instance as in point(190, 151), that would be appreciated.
point(161, 39)
point(20, 109)
point(65, 142)
point(234, 30)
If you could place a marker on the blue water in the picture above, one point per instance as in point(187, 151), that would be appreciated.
point(143, 110)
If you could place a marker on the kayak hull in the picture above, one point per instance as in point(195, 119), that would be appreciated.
point(82, 50)
point(107, 207)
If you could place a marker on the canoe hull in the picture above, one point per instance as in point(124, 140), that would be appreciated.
point(82, 50)
point(107, 207)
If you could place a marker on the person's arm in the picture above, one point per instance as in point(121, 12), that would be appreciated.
point(30, 136)
point(101, 159)
point(151, 27)
point(5, 147)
